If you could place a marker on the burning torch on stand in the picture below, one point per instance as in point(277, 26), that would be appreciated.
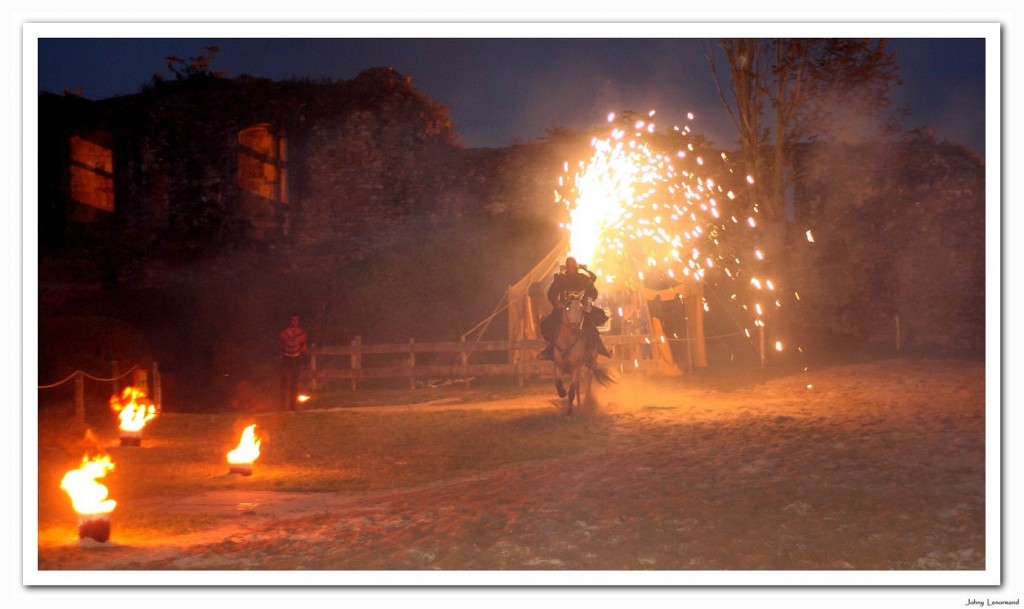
point(134, 411)
point(89, 497)
point(240, 459)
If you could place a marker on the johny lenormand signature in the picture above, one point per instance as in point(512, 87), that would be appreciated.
point(971, 602)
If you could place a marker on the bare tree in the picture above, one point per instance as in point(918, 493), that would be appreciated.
point(807, 89)
point(814, 88)
point(749, 70)
point(198, 66)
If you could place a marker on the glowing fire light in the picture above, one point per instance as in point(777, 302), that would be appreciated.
point(89, 497)
point(248, 448)
point(640, 208)
point(133, 408)
point(302, 397)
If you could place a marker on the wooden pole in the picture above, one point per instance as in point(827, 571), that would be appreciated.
point(760, 331)
point(140, 380)
point(412, 364)
point(686, 333)
point(115, 383)
point(464, 356)
point(357, 362)
point(645, 314)
point(312, 371)
point(158, 392)
point(80, 397)
point(898, 332)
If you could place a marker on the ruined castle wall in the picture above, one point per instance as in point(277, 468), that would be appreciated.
point(899, 230)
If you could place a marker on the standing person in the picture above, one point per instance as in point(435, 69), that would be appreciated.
point(573, 278)
point(292, 343)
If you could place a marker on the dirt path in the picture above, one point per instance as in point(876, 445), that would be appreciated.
point(877, 466)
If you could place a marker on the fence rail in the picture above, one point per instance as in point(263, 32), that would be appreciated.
point(324, 364)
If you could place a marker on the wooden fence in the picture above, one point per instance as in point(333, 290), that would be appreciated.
point(140, 379)
point(348, 362)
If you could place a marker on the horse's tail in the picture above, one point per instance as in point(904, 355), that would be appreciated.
point(602, 376)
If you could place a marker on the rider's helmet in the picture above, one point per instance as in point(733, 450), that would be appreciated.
point(571, 266)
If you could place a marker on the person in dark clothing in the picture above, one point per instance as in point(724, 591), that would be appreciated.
point(573, 279)
point(292, 343)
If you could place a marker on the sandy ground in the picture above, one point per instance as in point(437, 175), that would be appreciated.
point(876, 466)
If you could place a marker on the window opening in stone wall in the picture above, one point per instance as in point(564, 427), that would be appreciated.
point(262, 158)
point(92, 174)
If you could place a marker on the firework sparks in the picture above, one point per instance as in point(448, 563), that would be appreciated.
point(656, 205)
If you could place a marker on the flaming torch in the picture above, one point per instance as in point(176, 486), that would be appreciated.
point(89, 497)
point(248, 449)
point(135, 410)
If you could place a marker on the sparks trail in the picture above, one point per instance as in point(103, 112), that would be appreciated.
point(659, 207)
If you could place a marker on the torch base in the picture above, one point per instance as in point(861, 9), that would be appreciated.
point(241, 470)
point(94, 527)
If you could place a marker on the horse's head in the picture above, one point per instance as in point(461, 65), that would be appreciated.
point(572, 308)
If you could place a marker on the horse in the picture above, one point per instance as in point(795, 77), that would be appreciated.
point(570, 352)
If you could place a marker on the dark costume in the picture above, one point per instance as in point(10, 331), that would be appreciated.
point(292, 343)
point(564, 282)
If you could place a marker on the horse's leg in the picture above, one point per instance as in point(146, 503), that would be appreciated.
point(574, 388)
point(558, 384)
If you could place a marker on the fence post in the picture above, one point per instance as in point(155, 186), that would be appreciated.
point(464, 356)
point(115, 383)
point(761, 343)
point(80, 397)
point(686, 334)
point(158, 392)
point(520, 356)
point(412, 364)
point(140, 380)
point(312, 371)
point(357, 361)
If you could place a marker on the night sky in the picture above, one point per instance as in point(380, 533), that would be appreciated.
point(506, 90)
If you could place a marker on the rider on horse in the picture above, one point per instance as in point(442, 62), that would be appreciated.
point(572, 279)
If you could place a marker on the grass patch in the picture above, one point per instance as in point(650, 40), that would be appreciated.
point(314, 451)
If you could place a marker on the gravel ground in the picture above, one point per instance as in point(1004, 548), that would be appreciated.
point(876, 466)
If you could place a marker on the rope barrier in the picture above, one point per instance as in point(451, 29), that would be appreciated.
point(729, 313)
point(87, 375)
point(498, 309)
point(683, 340)
point(60, 382)
point(126, 373)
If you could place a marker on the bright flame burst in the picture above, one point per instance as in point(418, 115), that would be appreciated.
point(133, 409)
point(88, 496)
point(248, 448)
point(654, 205)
